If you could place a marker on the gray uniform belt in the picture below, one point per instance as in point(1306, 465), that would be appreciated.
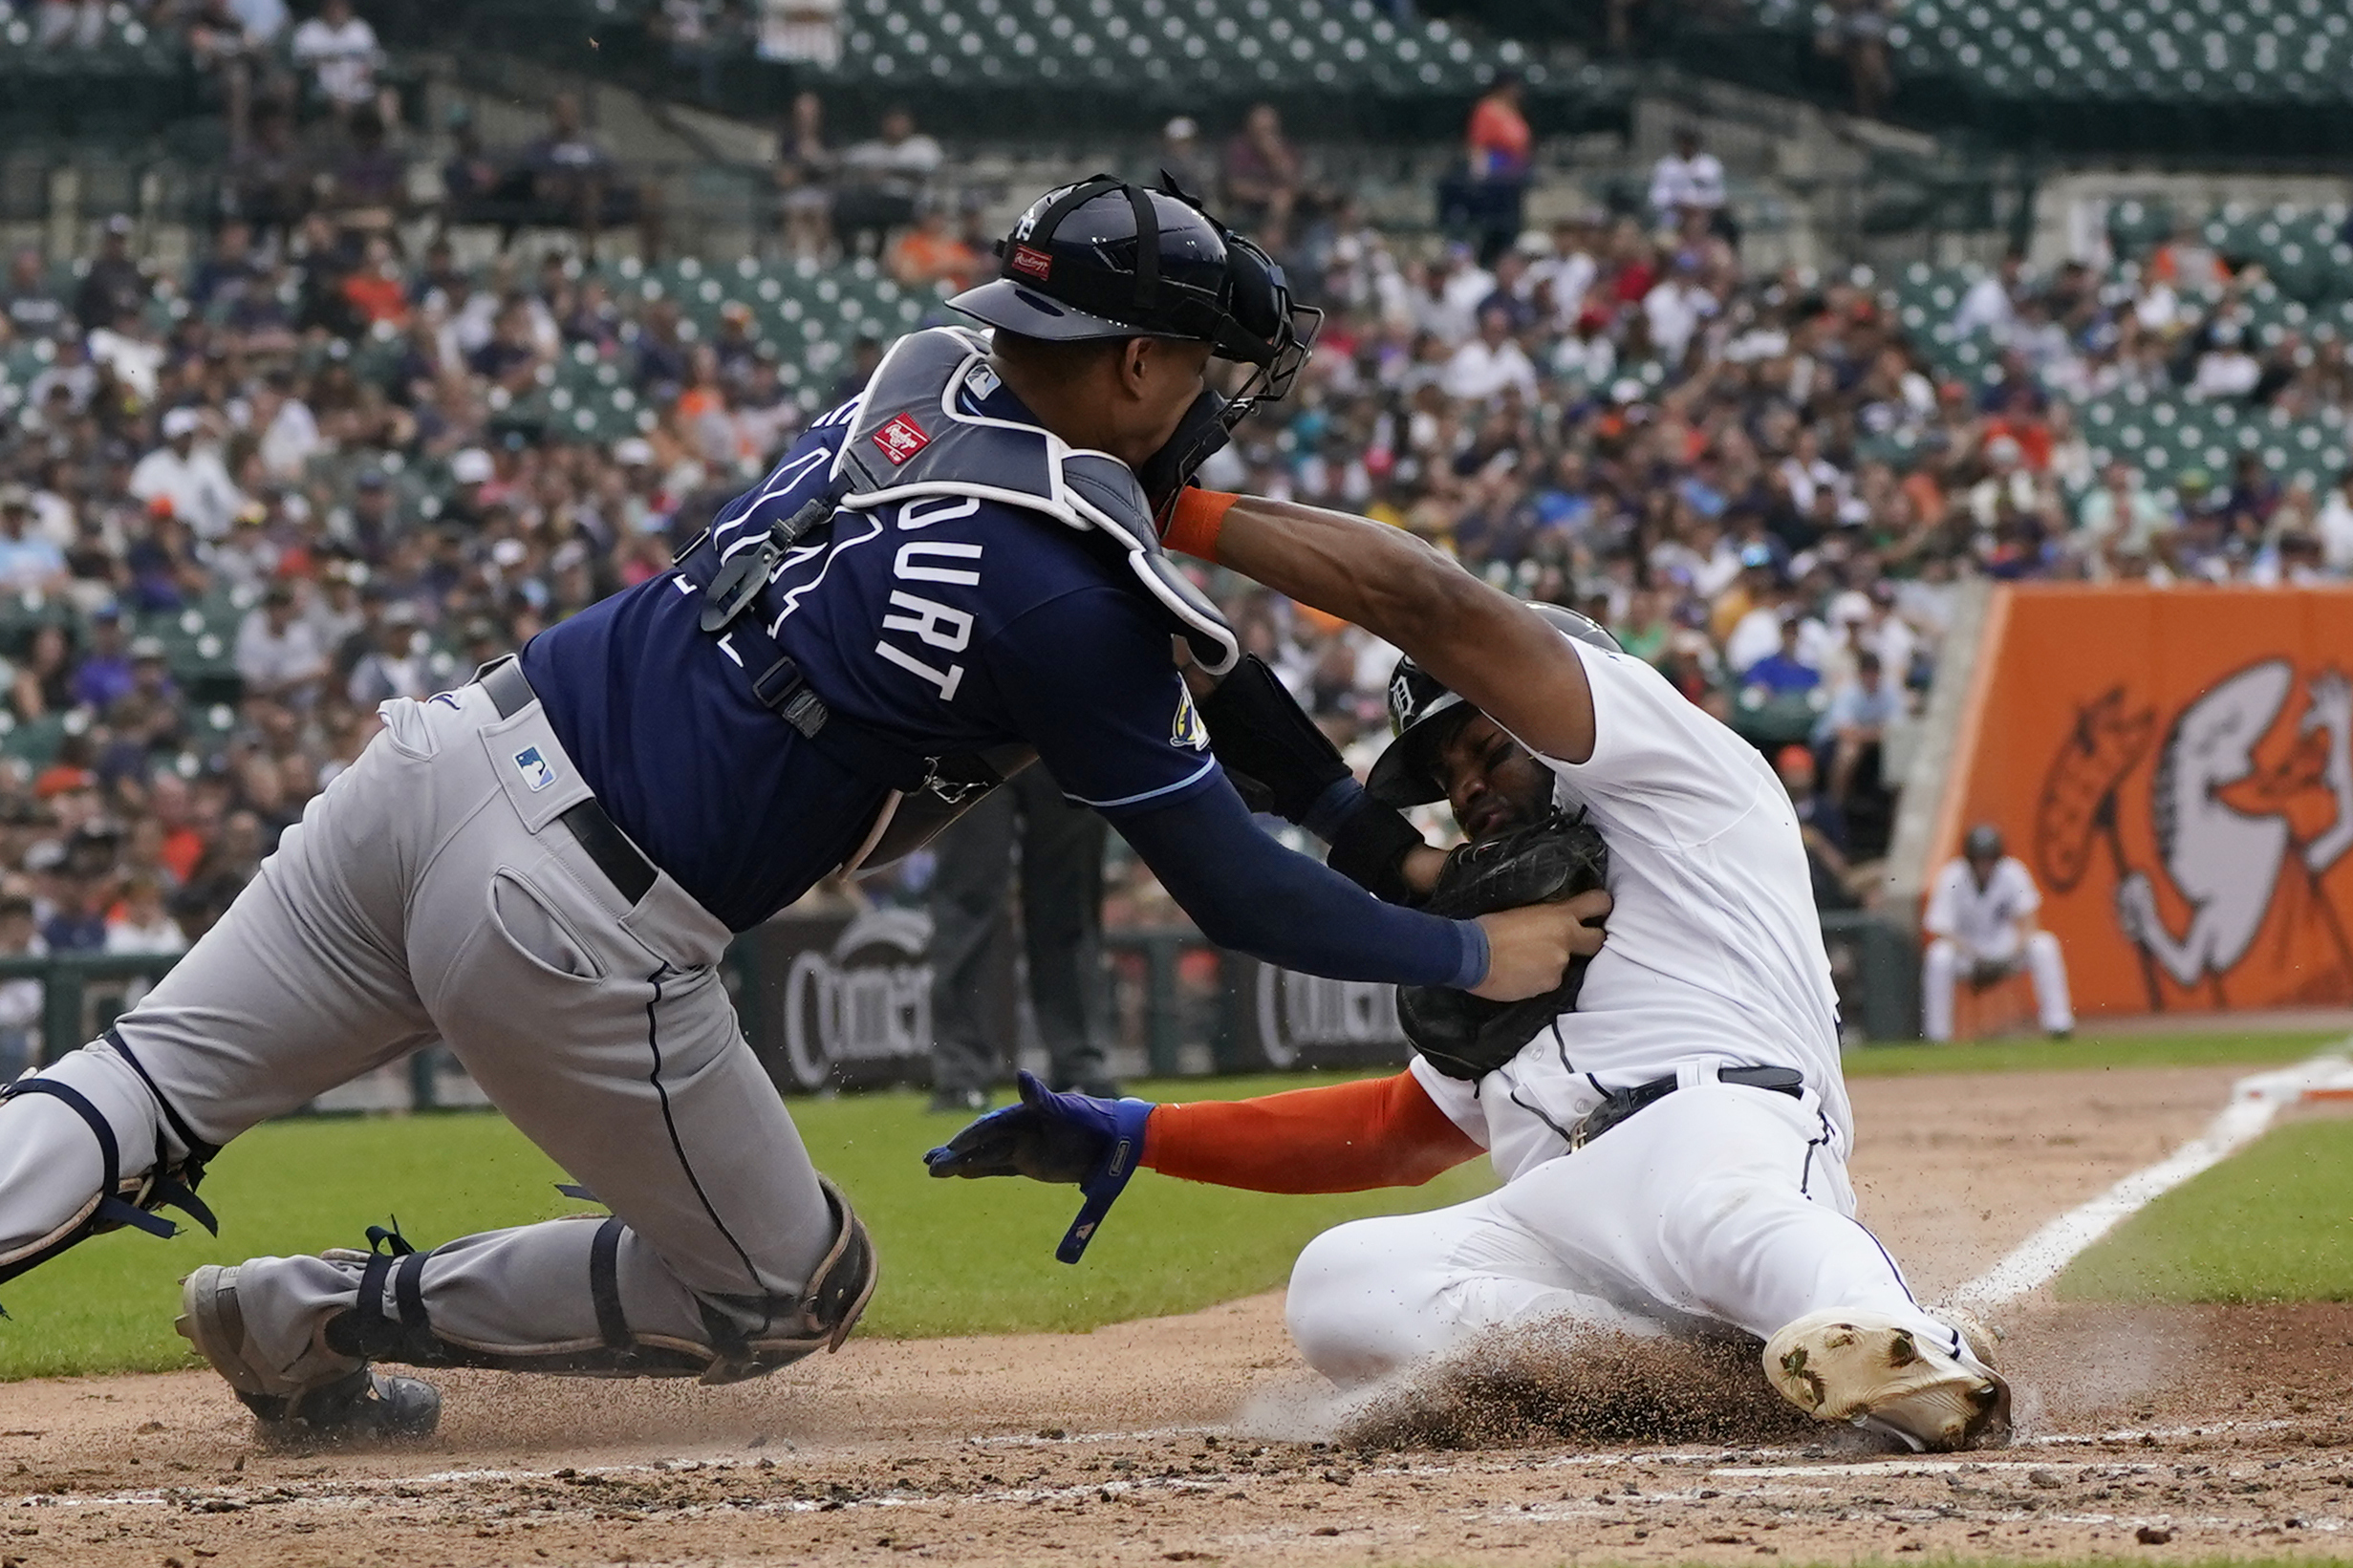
point(1617, 1104)
point(627, 870)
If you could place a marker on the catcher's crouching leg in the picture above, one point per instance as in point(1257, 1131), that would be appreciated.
point(578, 1298)
point(86, 1147)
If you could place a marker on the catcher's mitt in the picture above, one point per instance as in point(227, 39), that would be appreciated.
point(1545, 863)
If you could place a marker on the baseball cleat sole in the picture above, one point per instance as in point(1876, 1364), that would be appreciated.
point(364, 1405)
point(1868, 1371)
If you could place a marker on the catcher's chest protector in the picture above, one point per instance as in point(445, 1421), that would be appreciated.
point(909, 440)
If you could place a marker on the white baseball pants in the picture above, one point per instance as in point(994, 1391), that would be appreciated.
point(1718, 1203)
point(1940, 969)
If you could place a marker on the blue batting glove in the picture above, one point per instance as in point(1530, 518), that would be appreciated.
point(1054, 1137)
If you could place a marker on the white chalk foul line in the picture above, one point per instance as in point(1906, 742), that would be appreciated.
point(2255, 1100)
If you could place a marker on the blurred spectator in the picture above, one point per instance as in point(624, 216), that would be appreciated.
point(1686, 188)
point(43, 684)
point(1858, 34)
point(808, 31)
point(1820, 827)
point(1184, 159)
point(1782, 673)
point(574, 182)
point(268, 184)
point(2335, 524)
point(1499, 151)
point(883, 180)
point(141, 924)
point(278, 653)
point(187, 475)
point(1262, 177)
point(805, 171)
point(104, 675)
point(21, 999)
point(33, 308)
point(228, 864)
point(339, 49)
point(930, 255)
point(1489, 364)
point(116, 286)
point(1847, 735)
point(29, 560)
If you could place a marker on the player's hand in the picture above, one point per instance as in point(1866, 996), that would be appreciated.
point(1077, 1138)
point(1528, 950)
point(1047, 1137)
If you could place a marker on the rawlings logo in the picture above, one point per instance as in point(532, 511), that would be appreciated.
point(900, 439)
point(1030, 261)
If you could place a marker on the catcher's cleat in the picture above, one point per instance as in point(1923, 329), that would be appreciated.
point(1866, 1368)
point(359, 1405)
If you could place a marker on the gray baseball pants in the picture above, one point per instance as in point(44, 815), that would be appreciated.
point(430, 894)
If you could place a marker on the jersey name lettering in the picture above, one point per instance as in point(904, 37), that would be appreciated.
point(936, 625)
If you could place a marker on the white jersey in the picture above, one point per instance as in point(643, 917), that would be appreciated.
point(1982, 920)
point(1714, 952)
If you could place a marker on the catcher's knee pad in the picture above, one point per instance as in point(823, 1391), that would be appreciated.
point(94, 1090)
point(791, 1327)
point(743, 1335)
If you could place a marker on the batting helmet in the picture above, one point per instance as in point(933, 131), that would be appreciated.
point(1422, 713)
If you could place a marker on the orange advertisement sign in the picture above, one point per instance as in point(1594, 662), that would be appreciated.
point(2175, 767)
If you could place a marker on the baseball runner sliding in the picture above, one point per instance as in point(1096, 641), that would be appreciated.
point(954, 575)
point(1671, 1125)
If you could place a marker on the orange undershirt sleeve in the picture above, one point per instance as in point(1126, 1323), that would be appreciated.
point(1341, 1138)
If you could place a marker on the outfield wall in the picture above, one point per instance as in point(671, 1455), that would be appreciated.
point(2175, 767)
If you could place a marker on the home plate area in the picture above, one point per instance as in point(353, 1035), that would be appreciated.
point(2145, 1431)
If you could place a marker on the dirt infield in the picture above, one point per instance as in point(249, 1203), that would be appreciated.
point(2170, 1432)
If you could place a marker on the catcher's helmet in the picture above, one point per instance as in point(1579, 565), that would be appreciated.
point(1103, 258)
point(1983, 843)
point(1422, 713)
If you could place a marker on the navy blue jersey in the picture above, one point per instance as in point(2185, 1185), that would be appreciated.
point(948, 624)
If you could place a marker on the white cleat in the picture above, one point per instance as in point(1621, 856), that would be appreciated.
point(1868, 1369)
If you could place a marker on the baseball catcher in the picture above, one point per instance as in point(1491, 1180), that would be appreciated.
point(954, 575)
point(1672, 1133)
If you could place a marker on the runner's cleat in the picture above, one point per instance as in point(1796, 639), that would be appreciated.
point(1865, 1368)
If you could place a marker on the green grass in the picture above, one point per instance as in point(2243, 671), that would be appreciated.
point(958, 1256)
point(2214, 1050)
point(2274, 1223)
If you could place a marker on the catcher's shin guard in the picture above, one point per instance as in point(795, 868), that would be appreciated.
point(360, 1403)
point(115, 1104)
point(741, 1336)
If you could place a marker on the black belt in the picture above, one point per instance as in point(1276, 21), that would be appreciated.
point(1617, 1104)
point(629, 871)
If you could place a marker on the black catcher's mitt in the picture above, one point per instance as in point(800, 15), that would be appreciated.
point(1548, 862)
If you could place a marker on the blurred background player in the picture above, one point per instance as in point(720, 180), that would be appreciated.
point(1060, 850)
point(1981, 918)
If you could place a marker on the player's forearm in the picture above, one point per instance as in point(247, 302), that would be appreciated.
point(1249, 893)
point(1341, 1138)
point(1502, 657)
point(1382, 578)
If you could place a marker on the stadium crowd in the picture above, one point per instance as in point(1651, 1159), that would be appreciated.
point(305, 446)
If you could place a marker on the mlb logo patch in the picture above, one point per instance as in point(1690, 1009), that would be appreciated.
point(1030, 261)
point(537, 775)
point(900, 439)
